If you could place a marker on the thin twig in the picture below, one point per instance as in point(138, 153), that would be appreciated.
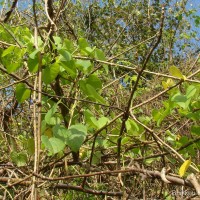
point(8, 14)
point(126, 112)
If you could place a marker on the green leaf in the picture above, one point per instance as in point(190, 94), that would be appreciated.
point(184, 167)
point(76, 136)
point(12, 67)
point(50, 117)
point(22, 93)
point(132, 128)
point(159, 115)
point(96, 159)
point(33, 64)
point(150, 160)
point(89, 50)
point(20, 159)
point(61, 132)
point(9, 50)
point(176, 72)
point(94, 81)
point(195, 130)
point(50, 73)
point(65, 55)
point(57, 145)
point(69, 67)
point(68, 44)
point(100, 122)
point(99, 54)
point(83, 65)
point(57, 40)
point(191, 91)
point(32, 55)
point(125, 140)
point(92, 93)
point(179, 98)
point(53, 145)
point(12, 58)
point(82, 42)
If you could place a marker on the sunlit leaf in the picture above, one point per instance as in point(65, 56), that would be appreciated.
point(7, 51)
point(176, 72)
point(65, 55)
point(184, 167)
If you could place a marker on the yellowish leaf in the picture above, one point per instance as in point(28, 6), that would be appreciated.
point(184, 167)
point(168, 83)
point(174, 71)
point(48, 132)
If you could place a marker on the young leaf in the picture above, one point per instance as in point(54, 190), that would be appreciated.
point(168, 83)
point(184, 167)
point(22, 93)
point(176, 72)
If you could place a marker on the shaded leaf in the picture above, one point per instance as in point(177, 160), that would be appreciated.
point(50, 73)
point(22, 93)
point(76, 136)
point(33, 64)
point(82, 42)
point(19, 159)
point(60, 132)
point(53, 145)
point(93, 93)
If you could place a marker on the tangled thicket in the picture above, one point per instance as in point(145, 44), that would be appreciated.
point(99, 100)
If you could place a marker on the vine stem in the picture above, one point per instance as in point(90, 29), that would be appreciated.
point(37, 118)
point(127, 110)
